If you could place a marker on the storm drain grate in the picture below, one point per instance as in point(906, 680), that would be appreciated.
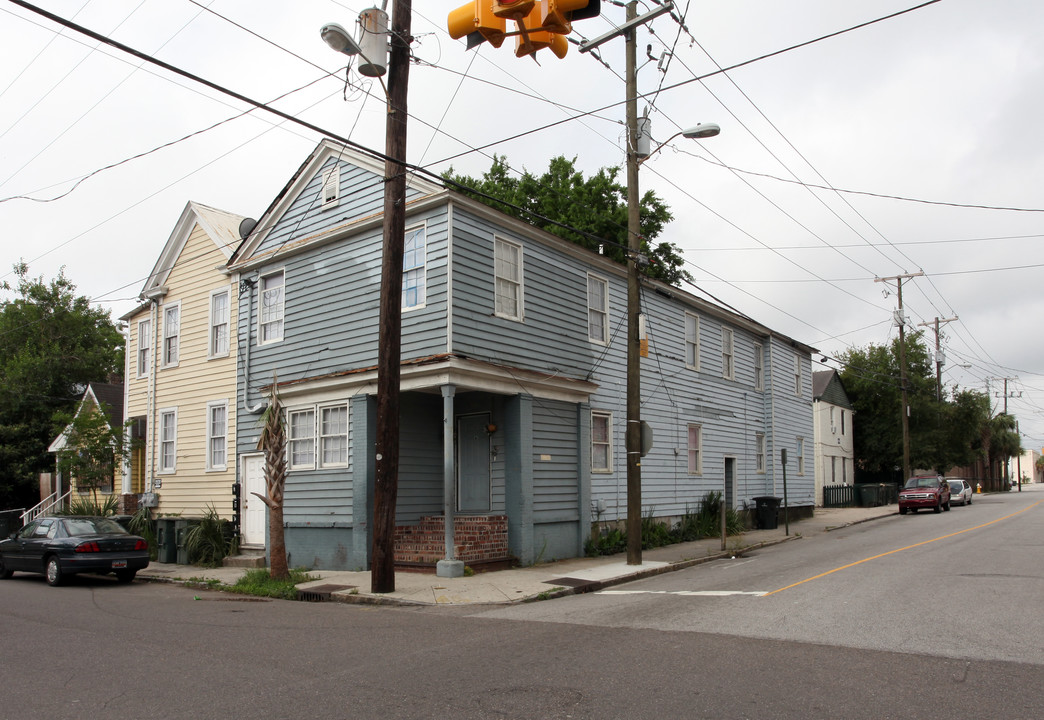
point(569, 582)
point(321, 593)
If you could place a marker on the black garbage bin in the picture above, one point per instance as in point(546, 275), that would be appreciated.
point(767, 512)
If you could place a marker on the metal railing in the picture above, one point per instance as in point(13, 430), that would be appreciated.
point(45, 506)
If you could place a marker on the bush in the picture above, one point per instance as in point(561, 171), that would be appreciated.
point(694, 525)
point(90, 505)
point(142, 523)
point(209, 541)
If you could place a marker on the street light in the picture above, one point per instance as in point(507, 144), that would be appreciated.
point(339, 40)
point(697, 132)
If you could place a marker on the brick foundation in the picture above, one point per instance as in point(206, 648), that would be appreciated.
point(478, 538)
point(127, 504)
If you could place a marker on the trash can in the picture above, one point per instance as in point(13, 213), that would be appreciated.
point(767, 512)
point(181, 528)
point(166, 547)
point(869, 495)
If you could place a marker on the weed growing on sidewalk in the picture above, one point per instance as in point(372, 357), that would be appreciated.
point(259, 582)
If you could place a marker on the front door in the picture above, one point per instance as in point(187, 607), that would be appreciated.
point(473, 473)
point(252, 508)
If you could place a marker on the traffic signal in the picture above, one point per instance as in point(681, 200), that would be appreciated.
point(532, 37)
point(539, 23)
point(557, 15)
point(477, 21)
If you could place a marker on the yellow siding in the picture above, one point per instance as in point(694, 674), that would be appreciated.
point(191, 384)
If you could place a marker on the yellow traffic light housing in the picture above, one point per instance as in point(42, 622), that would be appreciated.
point(540, 23)
point(476, 17)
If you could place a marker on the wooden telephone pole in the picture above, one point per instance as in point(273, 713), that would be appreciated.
point(901, 321)
point(386, 467)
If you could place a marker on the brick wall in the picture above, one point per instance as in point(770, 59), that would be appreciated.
point(478, 538)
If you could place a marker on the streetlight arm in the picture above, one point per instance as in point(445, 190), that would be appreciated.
point(698, 132)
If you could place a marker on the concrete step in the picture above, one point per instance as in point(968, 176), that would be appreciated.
point(246, 559)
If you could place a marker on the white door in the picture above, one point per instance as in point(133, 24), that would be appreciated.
point(252, 509)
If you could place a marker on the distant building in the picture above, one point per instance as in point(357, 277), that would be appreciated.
point(833, 412)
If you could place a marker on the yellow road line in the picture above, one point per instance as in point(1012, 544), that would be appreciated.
point(908, 547)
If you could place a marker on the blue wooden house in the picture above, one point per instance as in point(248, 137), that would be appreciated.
point(513, 379)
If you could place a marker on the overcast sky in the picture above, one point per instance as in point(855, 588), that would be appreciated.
point(781, 216)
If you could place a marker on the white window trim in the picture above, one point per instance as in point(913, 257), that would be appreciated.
point(163, 341)
point(319, 437)
point(760, 452)
point(161, 468)
point(290, 412)
point(519, 284)
point(694, 341)
point(604, 310)
point(260, 306)
point(609, 442)
point(210, 467)
point(728, 354)
point(759, 367)
point(800, 455)
point(148, 345)
point(330, 190)
point(423, 294)
point(211, 354)
point(699, 449)
point(798, 377)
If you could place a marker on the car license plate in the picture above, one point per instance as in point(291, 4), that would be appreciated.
point(119, 564)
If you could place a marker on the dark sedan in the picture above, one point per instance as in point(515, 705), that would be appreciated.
point(60, 546)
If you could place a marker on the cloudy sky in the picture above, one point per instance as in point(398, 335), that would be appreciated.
point(870, 147)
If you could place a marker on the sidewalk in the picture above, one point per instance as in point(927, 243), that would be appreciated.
point(544, 581)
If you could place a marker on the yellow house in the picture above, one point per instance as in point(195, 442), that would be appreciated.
point(181, 370)
point(104, 398)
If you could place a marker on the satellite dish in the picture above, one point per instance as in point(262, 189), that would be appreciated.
point(246, 226)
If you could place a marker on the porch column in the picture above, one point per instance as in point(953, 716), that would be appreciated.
point(448, 567)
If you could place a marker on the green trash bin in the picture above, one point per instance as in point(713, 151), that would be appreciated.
point(181, 528)
point(166, 545)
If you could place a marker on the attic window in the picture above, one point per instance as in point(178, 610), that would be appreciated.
point(331, 185)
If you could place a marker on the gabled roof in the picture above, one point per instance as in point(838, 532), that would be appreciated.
point(101, 395)
point(827, 387)
point(221, 227)
point(305, 173)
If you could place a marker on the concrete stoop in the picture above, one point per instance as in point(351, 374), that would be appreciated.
point(246, 559)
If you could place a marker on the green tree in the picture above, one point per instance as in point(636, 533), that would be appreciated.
point(596, 207)
point(52, 343)
point(1000, 442)
point(872, 379)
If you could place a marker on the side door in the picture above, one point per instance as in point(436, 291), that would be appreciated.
point(14, 549)
point(35, 544)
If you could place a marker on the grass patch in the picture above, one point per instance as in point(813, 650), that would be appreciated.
point(260, 583)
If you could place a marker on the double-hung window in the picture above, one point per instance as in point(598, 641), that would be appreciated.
point(759, 452)
point(217, 435)
point(272, 302)
point(168, 432)
point(333, 436)
point(759, 367)
point(413, 268)
point(601, 442)
point(219, 323)
point(728, 361)
point(695, 450)
point(797, 374)
point(801, 456)
point(301, 439)
point(507, 269)
point(598, 309)
point(171, 333)
point(144, 347)
point(692, 341)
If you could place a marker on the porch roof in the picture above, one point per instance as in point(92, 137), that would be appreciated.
point(431, 373)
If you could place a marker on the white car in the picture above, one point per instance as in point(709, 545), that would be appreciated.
point(960, 491)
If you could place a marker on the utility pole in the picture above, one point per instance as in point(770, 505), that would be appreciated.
point(633, 438)
point(938, 355)
point(386, 472)
point(633, 433)
point(901, 321)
